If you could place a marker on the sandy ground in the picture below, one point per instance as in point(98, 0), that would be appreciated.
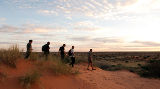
point(87, 79)
point(116, 80)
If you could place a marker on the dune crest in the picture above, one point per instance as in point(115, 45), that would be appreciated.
point(87, 79)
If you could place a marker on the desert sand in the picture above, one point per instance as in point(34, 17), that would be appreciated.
point(87, 79)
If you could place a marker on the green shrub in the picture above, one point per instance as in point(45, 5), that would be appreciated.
point(152, 69)
point(29, 79)
point(9, 56)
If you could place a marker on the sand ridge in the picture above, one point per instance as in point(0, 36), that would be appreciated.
point(87, 79)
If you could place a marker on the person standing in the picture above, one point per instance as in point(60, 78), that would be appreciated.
point(45, 49)
point(62, 51)
point(71, 55)
point(90, 58)
point(29, 49)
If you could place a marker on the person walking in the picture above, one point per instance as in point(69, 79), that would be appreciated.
point(29, 49)
point(90, 58)
point(62, 51)
point(45, 49)
point(71, 55)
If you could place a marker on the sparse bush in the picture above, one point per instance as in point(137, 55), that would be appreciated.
point(126, 61)
point(10, 56)
point(152, 69)
point(34, 56)
point(60, 68)
point(81, 60)
point(139, 64)
point(29, 79)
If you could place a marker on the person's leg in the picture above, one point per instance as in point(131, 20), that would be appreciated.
point(88, 65)
point(92, 66)
point(73, 61)
point(46, 55)
point(62, 57)
point(27, 55)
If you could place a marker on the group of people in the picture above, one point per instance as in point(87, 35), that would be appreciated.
point(71, 54)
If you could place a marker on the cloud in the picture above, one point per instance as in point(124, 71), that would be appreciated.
point(6, 43)
point(108, 40)
point(30, 28)
point(101, 9)
point(2, 19)
point(147, 43)
point(80, 38)
point(85, 26)
point(98, 39)
point(48, 12)
point(8, 28)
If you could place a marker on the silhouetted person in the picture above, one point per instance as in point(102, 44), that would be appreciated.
point(71, 55)
point(90, 58)
point(29, 49)
point(45, 49)
point(62, 51)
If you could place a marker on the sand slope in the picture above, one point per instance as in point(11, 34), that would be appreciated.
point(97, 79)
point(117, 80)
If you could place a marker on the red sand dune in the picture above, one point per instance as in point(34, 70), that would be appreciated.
point(97, 79)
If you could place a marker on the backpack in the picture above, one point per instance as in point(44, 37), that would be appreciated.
point(44, 48)
point(70, 53)
point(60, 49)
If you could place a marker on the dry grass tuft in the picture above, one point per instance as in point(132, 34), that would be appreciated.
point(29, 79)
point(9, 56)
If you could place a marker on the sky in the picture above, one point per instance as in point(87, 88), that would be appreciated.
point(103, 25)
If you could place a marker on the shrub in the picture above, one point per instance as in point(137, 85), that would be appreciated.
point(152, 69)
point(10, 56)
point(60, 68)
point(34, 56)
point(29, 79)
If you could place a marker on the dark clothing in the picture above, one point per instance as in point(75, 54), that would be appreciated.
point(62, 52)
point(61, 49)
point(46, 48)
point(90, 57)
point(29, 47)
point(27, 54)
point(62, 56)
point(89, 60)
point(29, 50)
point(72, 61)
point(46, 51)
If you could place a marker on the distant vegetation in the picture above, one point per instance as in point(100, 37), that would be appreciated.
point(151, 69)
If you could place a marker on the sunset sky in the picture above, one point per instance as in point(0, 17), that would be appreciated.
point(103, 25)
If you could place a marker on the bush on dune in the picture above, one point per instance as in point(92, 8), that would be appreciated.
point(34, 56)
point(9, 56)
point(56, 66)
point(152, 69)
point(61, 68)
point(29, 79)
